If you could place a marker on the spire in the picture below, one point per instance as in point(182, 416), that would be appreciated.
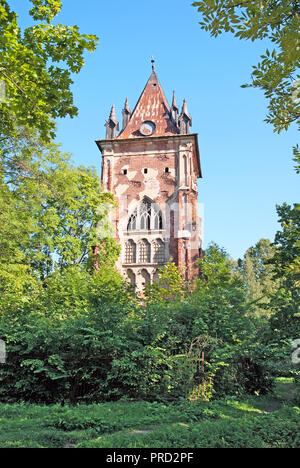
point(152, 110)
point(174, 110)
point(113, 113)
point(184, 108)
point(112, 125)
point(127, 105)
point(185, 120)
point(174, 101)
point(126, 114)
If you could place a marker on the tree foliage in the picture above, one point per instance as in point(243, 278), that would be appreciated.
point(49, 213)
point(285, 303)
point(258, 276)
point(36, 68)
point(86, 337)
point(277, 74)
point(288, 241)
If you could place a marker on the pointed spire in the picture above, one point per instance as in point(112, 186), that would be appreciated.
point(126, 114)
point(127, 105)
point(113, 114)
point(174, 101)
point(112, 125)
point(184, 108)
point(145, 110)
point(174, 110)
point(185, 120)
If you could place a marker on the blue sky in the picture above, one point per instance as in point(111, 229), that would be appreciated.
point(247, 169)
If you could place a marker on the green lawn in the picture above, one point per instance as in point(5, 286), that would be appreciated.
point(270, 421)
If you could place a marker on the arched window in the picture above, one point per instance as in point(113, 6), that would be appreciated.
point(157, 220)
point(108, 174)
point(185, 210)
point(158, 249)
point(146, 278)
point(156, 275)
point(147, 216)
point(131, 277)
point(132, 223)
point(130, 252)
point(144, 252)
point(185, 169)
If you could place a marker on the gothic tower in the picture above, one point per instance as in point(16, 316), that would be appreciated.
point(152, 167)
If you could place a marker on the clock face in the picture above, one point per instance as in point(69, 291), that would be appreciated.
point(147, 128)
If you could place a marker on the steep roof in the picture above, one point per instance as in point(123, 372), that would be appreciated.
point(151, 106)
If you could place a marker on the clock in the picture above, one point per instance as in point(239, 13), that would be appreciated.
point(147, 128)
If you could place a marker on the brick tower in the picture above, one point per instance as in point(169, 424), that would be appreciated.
point(152, 166)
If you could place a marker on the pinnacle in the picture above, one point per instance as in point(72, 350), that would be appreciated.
point(113, 114)
point(184, 108)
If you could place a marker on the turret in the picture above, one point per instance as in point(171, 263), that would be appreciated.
point(185, 120)
point(112, 125)
point(174, 110)
point(126, 114)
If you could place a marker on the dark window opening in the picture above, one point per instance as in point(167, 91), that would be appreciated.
point(125, 171)
point(145, 171)
point(167, 169)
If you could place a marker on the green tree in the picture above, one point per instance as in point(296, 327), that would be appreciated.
point(285, 322)
point(36, 68)
point(219, 298)
point(258, 276)
point(168, 287)
point(277, 74)
point(49, 214)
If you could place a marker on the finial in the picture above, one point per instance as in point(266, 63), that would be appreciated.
point(113, 114)
point(174, 100)
point(126, 114)
point(184, 108)
point(185, 120)
point(112, 125)
point(153, 63)
point(127, 105)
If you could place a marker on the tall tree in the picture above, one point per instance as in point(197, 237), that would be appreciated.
point(36, 68)
point(258, 275)
point(50, 216)
point(277, 74)
point(285, 303)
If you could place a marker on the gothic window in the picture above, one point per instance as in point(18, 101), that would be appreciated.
point(185, 168)
point(145, 215)
point(157, 220)
point(130, 252)
point(131, 277)
point(144, 251)
point(146, 278)
point(108, 174)
point(132, 222)
point(158, 251)
point(185, 208)
point(156, 275)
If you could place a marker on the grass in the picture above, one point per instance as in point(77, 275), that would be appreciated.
point(260, 422)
